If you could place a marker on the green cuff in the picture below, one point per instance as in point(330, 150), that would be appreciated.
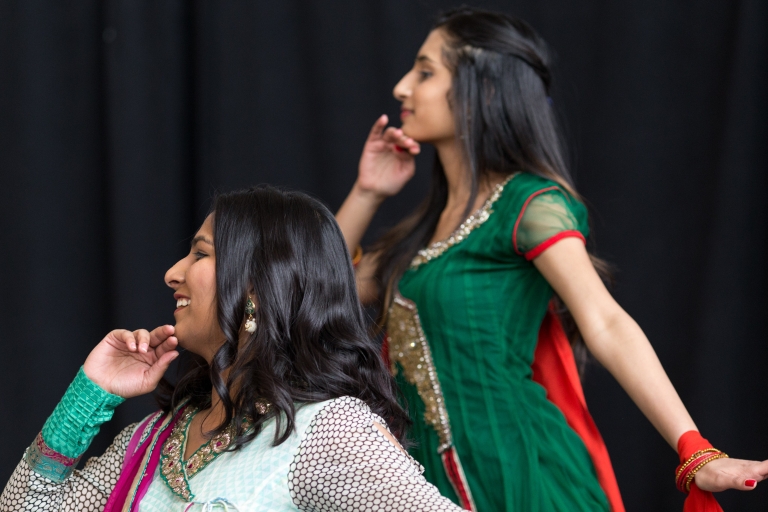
point(76, 420)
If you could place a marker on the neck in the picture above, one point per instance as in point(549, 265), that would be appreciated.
point(457, 173)
point(459, 176)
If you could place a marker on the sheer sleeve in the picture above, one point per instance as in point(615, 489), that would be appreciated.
point(84, 490)
point(346, 464)
point(548, 215)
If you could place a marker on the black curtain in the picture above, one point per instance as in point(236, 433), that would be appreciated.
point(119, 119)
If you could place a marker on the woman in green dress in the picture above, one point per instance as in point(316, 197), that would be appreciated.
point(465, 282)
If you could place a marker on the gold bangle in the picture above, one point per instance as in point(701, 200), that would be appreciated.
point(693, 457)
point(692, 474)
point(357, 256)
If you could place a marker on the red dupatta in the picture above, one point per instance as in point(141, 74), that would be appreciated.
point(554, 367)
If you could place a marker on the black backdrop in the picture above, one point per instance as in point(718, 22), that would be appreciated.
point(118, 120)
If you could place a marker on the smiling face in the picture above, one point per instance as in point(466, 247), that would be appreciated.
point(193, 280)
point(424, 90)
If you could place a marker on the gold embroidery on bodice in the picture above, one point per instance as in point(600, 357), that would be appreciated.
point(409, 348)
point(472, 222)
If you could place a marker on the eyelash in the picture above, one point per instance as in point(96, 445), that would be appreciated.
point(199, 255)
point(423, 75)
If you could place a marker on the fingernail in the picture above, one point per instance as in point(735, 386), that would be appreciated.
point(399, 149)
point(750, 483)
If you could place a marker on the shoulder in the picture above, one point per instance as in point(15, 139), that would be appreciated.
point(344, 409)
point(525, 186)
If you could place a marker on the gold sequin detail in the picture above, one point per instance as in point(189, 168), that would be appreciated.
point(409, 348)
point(175, 471)
point(470, 224)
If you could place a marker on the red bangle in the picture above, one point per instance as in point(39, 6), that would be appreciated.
point(686, 472)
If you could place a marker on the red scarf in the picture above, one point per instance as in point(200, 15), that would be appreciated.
point(554, 367)
point(697, 500)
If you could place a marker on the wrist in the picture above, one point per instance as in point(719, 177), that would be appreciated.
point(368, 197)
point(76, 419)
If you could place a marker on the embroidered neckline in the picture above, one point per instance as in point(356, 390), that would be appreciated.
point(472, 222)
point(175, 471)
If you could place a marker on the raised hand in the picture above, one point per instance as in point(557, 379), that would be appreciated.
point(387, 161)
point(722, 474)
point(129, 363)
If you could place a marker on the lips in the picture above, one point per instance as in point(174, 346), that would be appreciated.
point(404, 112)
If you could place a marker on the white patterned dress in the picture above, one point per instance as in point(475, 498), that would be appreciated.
point(335, 460)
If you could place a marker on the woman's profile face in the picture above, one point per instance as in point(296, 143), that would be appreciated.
point(423, 91)
point(193, 280)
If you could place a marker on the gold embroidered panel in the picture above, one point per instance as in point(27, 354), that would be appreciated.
point(409, 348)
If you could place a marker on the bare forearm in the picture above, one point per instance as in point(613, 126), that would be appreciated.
point(624, 350)
point(355, 215)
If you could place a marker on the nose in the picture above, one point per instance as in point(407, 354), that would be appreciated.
point(402, 89)
point(174, 277)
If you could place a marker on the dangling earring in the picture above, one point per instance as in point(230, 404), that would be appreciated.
point(250, 309)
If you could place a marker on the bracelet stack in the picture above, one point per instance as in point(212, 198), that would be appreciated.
point(688, 469)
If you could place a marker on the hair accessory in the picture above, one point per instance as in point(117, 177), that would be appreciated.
point(250, 309)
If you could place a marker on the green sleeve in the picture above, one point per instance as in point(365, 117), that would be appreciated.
point(71, 428)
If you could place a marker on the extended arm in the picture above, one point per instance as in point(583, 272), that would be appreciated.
point(619, 344)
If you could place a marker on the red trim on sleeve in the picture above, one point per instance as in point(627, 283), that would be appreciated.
point(522, 211)
point(549, 242)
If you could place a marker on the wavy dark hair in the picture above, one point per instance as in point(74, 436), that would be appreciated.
point(500, 97)
point(311, 342)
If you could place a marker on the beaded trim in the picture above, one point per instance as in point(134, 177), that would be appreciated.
point(174, 470)
point(472, 222)
point(408, 346)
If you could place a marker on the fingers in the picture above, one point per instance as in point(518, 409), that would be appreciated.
point(378, 127)
point(401, 142)
point(722, 474)
point(754, 472)
point(160, 334)
point(168, 345)
point(125, 337)
point(158, 369)
point(142, 340)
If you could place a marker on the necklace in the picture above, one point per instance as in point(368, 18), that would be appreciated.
point(473, 221)
point(174, 470)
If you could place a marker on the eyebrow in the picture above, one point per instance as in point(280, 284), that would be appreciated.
point(200, 238)
point(423, 58)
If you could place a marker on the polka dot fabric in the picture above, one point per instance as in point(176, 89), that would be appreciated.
point(86, 490)
point(345, 463)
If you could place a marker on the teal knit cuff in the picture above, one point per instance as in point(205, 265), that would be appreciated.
point(76, 420)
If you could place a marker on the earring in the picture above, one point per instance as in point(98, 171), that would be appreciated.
point(250, 309)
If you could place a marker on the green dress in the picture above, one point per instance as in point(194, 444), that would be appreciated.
point(461, 339)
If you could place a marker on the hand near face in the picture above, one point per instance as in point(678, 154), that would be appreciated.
point(387, 161)
point(130, 364)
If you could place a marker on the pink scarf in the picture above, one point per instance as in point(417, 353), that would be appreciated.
point(140, 463)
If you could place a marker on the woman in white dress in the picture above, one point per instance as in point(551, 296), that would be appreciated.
point(286, 403)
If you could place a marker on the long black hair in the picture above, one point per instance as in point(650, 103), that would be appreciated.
point(500, 98)
point(311, 341)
